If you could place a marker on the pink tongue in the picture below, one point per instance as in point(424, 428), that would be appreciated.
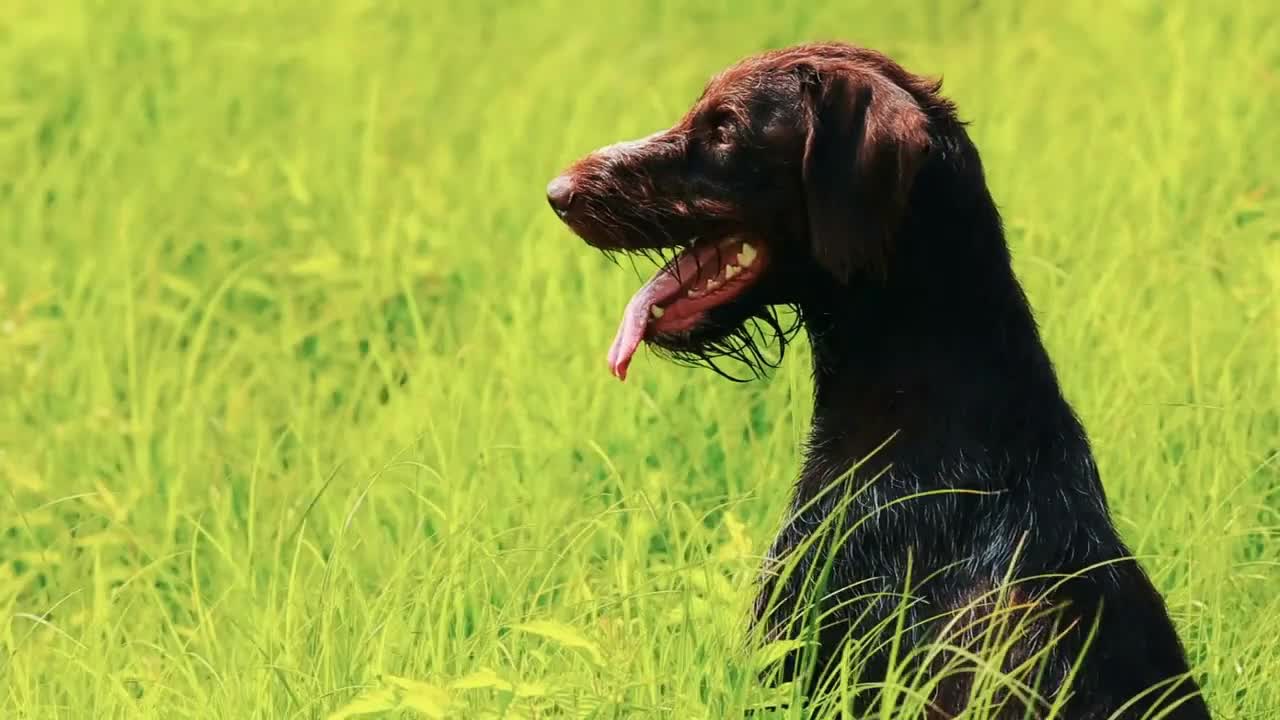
point(635, 320)
point(664, 285)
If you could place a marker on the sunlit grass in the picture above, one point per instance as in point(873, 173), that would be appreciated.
point(303, 395)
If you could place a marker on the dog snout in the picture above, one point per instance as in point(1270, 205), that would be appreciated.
point(561, 193)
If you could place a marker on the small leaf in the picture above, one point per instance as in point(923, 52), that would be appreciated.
point(530, 690)
point(720, 588)
point(486, 678)
point(370, 701)
point(483, 678)
point(323, 265)
point(774, 652)
point(179, 286)
point(256, 286)
point(566, 635)
point(426, 698)
point(773, 698)
point(739, 545)
point(695, 610)
point(674, 616)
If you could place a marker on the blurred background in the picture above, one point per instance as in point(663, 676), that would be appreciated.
point(303, 398)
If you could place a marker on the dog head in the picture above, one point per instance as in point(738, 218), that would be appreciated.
point(793, 166)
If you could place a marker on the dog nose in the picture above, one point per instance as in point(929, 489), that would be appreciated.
point(560, 195)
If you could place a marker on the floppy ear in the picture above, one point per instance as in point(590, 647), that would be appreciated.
point(861, 154)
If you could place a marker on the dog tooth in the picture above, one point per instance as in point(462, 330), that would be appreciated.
point(747, 256)
point(713, 284)
point(656, 311)
point(730, 271)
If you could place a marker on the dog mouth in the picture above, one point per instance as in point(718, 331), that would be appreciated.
point(678, 297)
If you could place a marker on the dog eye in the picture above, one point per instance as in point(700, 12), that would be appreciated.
point(720, 127)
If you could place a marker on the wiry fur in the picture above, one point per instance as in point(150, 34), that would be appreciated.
point(957, 480)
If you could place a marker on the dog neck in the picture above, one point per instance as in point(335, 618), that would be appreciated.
point(938, 363)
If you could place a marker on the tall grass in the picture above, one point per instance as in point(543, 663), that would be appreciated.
point(303, 400)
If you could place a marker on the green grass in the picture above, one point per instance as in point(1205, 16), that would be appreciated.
point(303, 395)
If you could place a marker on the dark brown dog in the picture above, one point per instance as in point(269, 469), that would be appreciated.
point(827, 178)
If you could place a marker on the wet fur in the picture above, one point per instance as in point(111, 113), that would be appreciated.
point(929, 377)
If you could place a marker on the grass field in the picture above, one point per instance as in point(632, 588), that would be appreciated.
point(303, 400)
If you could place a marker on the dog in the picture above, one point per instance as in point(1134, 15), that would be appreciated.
point(826, 179)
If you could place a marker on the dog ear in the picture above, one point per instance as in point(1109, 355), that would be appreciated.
point(863, 148)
